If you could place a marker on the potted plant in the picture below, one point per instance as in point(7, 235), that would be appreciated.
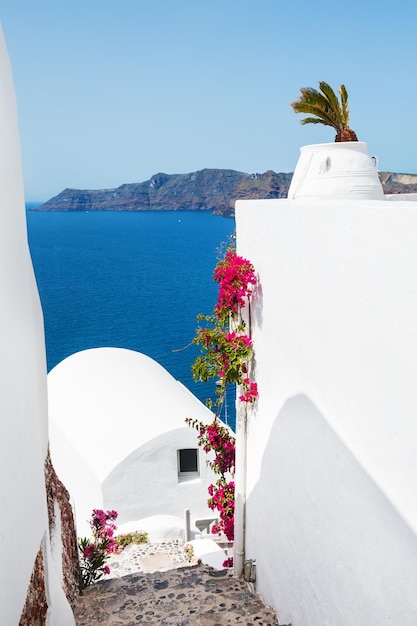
point(333, 170)
point(326, 109)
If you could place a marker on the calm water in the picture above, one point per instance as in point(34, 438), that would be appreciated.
point(129, 280)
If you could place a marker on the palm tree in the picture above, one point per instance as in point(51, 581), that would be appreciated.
point(327, 109)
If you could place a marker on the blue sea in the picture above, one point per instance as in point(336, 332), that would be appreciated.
point(133, 280)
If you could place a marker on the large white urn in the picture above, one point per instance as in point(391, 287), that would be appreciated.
point(336, 170)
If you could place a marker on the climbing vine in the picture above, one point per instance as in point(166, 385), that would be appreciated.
point(225, 353)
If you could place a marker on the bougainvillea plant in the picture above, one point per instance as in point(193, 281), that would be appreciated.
point(236, 279)
point(95, 552)
point(225, 353)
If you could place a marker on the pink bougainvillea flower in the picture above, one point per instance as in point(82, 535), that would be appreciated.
point(88, 551)
point(93, 554)
point(235, 277)
point(227, 355)
point(111, 546)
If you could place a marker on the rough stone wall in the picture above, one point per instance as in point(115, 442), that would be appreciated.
point(36, 606)
point(56, 492)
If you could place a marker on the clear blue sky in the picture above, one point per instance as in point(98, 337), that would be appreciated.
point(112, 92)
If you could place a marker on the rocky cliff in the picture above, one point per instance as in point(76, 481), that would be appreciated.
point(398, 183)
point(206, 190)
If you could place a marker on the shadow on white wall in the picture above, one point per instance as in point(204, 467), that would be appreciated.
point(331, 532)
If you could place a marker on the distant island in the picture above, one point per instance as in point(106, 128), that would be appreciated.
point(214, 190)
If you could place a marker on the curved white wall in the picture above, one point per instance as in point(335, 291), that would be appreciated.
point(23, 398)
point(336, 170)
point(117, 420)
point(146, 483)
point(332, 453)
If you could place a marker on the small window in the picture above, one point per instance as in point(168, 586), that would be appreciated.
point(188, 462)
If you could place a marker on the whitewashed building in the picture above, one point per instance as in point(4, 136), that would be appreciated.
point(328, 505)
point(119, 440)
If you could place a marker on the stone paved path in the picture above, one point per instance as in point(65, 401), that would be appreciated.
point(133, 558)
point(186, 596)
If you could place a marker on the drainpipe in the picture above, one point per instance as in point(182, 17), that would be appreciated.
point(240, 477)
point(240, 488)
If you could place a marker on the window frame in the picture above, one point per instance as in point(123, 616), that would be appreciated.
point(188, 473)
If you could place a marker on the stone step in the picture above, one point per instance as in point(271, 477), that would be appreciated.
point(187, 596)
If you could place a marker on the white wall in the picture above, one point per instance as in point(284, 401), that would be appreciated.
point(332, 452)
point(146, 483)
point(117, 420)
point(23, 397)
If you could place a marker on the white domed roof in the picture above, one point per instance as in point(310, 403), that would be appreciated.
point(109, 401)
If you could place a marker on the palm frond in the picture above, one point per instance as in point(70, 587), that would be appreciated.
point(324, 107)
point(317, 104)
point(315, 120)
point(330, 95)
point(344, 100)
